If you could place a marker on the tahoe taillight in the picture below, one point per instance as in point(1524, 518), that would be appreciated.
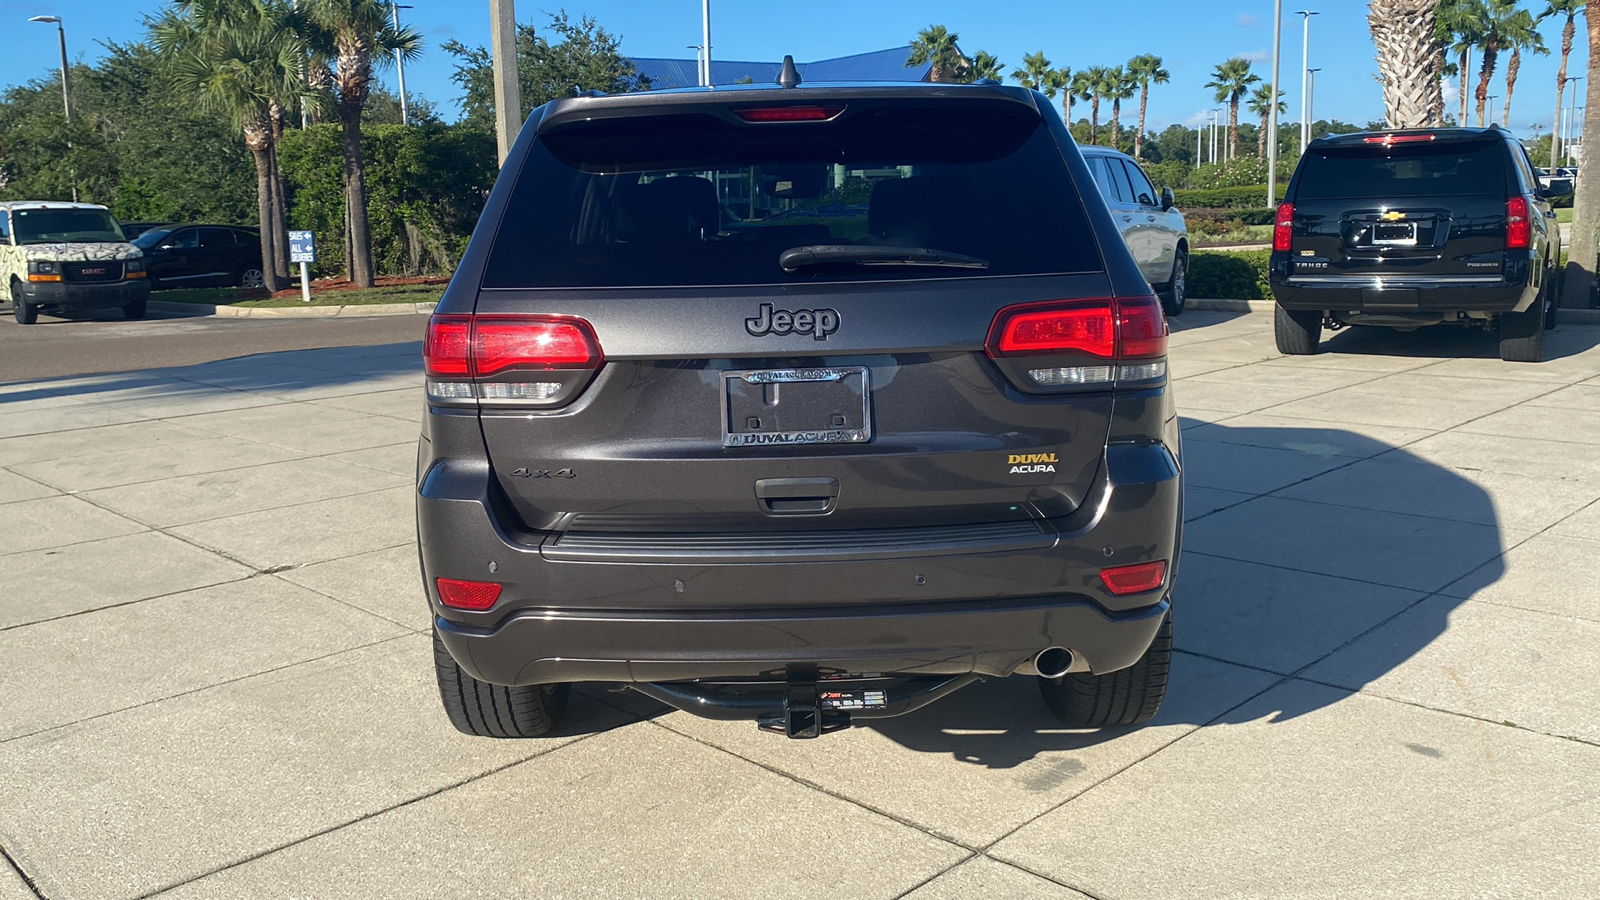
point(523, 359)
point(1283, 228)
point(1519, 231)
point(1129, 334)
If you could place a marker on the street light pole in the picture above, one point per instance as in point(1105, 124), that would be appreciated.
point(705, 40)
point(1272, 103)
point(1572, 118)
point(1492, 98)
point(400, 67)
point(66, 93)
point(1305, 80)
point(1199, 134)
point(1311, 99)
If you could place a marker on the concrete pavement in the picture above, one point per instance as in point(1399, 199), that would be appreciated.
point(216, 678)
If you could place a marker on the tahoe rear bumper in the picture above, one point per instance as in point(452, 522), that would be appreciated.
point(917, 601)
point(1513, 290)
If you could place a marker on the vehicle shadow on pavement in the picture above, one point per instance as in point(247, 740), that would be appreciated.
point(1444, 342)
point(1335, 576)
point(286, 374)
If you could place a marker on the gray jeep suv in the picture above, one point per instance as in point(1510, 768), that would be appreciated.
point(798, 404)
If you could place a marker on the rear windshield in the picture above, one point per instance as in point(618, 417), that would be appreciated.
point(692, 199)
point(1433, 169)
point(59, 226)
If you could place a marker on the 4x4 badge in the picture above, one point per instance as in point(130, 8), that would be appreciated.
point(526, 472)
point(819, 323)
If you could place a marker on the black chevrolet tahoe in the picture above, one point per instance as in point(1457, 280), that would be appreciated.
point(1417, 227)
point(798, 404)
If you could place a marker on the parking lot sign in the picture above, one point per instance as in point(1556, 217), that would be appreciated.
point(303, 250)
point(302, 247)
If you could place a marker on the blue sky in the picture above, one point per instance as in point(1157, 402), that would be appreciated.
point(1191, 36)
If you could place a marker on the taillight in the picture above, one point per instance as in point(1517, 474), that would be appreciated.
point(1037, 330)
point(1134, 579)
point(445, 349)
point(532, 342)
point(471, 357)
point(1519, 231)
point(473, 595)
point(1116, 330)
point(1283, 228)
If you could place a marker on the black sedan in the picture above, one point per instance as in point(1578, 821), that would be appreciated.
point(181, 256)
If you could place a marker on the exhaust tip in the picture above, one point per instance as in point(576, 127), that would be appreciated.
point(1053, 662)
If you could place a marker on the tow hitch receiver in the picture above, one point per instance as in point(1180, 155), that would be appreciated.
point(803, 714)
point(807, 704)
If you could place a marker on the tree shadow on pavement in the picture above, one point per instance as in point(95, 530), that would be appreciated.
point(1338, 573)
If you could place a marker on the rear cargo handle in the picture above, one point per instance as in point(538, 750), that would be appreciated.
point(797, 496)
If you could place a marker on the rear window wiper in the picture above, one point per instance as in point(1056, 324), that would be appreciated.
point(796, 258)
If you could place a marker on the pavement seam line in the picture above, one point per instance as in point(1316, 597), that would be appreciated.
point(1046, 877)
point(27, 879)
point(85, 612)
point(936, 876)
point(279, 848)
point(806, 782)
point(206, 687)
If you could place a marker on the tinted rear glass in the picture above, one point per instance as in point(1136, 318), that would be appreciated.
point(693, 199)
point(1432, 169)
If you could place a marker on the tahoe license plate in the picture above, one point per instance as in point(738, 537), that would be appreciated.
point(1395, 233)
point(763, 407)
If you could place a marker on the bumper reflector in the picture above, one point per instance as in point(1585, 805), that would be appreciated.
point(474, 595)
point(1134, 579)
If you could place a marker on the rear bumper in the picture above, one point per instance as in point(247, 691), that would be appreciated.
point(949, 609)
point(1513, 290)
point(85, 296)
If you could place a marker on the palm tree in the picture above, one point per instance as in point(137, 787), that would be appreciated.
point(1410, 60)
point(1497, 20)
point(1035, 73)
point(1570, 9)
point(937, 46)
point(983, 65)
point(1260, 104)
point(1122, 86)
point(1231, 81)
point(1098, 82)
point(1075, 86)
point(1579, 277)
point(1145, 69)
point(240, 58)
point(356, 35)
point(1519, 34)
point(1458, 28)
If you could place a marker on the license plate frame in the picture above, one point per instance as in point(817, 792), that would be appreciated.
point(1394, 234)
point(840, 394)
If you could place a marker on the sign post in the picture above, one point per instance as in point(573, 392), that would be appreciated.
point(303, 250)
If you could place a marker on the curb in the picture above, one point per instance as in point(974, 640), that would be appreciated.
point(1239, 306)
point(296, 312)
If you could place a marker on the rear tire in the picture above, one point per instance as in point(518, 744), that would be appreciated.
point(250, 278)
point(1522, 335)
point(491, 710)
point(135, 309)
point(1176, 293)
point(26, 313)
point(1129, 697)
point(1298, 331)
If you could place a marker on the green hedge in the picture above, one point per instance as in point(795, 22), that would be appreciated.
point(1238, 275)
point(1263, 216)
point(426, 185)
point(1248, 197)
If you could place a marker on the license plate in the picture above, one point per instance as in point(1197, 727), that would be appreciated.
point(1394, 233)
point(766, 407)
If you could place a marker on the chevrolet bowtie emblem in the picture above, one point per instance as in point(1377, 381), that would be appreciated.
point(1392, 216)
